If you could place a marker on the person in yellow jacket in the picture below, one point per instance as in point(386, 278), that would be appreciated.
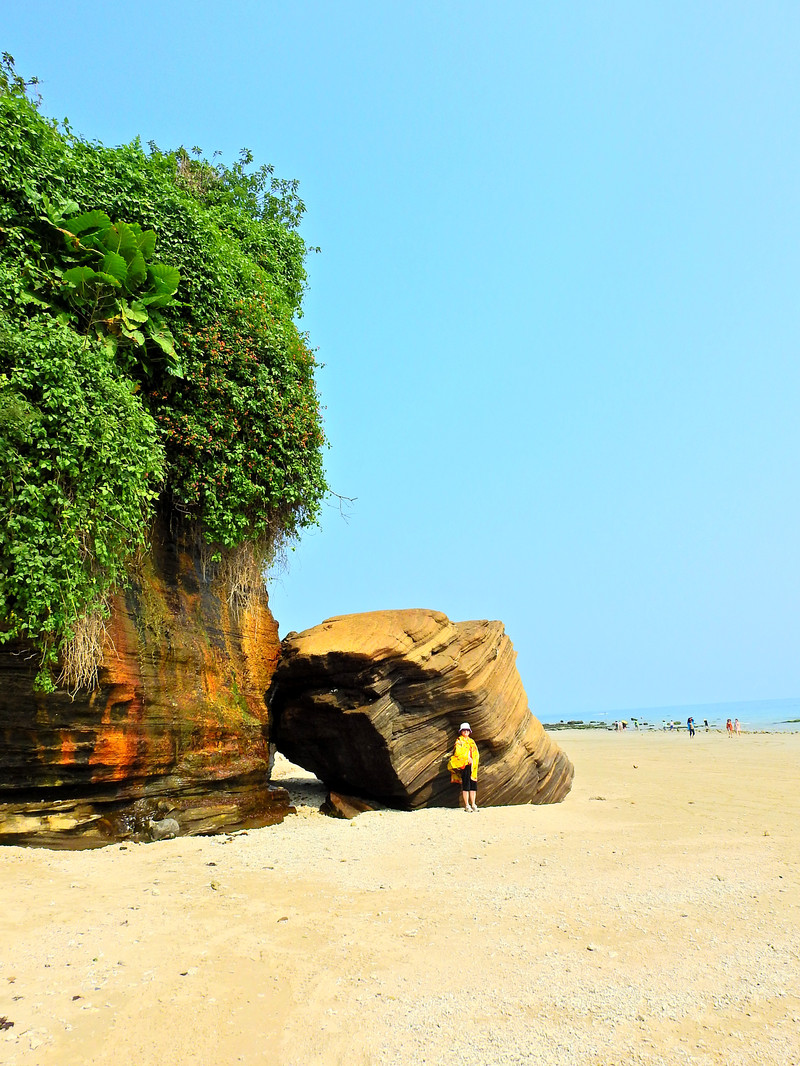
point(463, 766)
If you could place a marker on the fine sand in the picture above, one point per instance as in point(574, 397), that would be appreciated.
point(652, 917)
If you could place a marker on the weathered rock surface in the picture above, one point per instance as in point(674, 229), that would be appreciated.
point(176, 728)
point(371, 703)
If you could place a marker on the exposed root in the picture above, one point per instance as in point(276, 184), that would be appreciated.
point(242, 574)
point(82, 654)
point(241, 570)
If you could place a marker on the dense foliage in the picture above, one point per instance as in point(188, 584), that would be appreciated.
point(149, 359)
point(80, 467)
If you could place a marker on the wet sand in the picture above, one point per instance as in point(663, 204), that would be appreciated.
point(652, 917)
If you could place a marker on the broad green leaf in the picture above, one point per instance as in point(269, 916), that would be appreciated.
point(79, 278)
point(137, 271)
point(121, 238)
point(156, 299)
point(166, 342)
point(115, 265)
point(147, 243)
point(90, 220)
point(77, 275)
point(94, 239)
point(133, 316)
point(134, 335)
point(175, 366)
point(166, 279)
point(108, 279)
point(164, 339)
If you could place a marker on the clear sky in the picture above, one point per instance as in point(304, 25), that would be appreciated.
point(557, 304)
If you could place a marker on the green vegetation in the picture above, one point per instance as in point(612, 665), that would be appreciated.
point(150, 363)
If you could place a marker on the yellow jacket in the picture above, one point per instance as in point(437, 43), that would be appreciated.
point(465, 746)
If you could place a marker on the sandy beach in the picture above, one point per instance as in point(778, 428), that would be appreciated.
point(650, 918)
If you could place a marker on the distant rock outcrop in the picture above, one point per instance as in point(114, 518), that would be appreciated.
point(174, 734)
point(371, 703)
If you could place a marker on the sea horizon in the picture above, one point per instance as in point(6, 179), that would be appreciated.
point(781, 714)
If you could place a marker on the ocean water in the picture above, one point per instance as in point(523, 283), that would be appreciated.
point(771, 715)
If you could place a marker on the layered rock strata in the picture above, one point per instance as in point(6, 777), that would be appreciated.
point(177, 727)
point(371, 703)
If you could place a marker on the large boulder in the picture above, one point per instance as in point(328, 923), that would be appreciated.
point(371, 703)
point(176, 729)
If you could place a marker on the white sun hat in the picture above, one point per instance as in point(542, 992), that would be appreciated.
point(463, 726)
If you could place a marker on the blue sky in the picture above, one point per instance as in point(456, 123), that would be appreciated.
point(556, 303)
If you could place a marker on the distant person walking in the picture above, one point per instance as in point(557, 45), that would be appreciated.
point(690, 726)
point(705, 723)
point(737, 727)
point(729, 727)
point(463, 766)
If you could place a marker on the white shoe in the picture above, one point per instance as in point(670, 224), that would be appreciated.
point(474, 807)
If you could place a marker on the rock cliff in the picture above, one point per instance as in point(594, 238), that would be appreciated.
point(371, 703)
point(175, 731)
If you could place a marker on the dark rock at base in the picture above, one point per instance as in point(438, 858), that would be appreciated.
point(177, 726)
point(110, 816)
point(371, 704)
point(338, 806)
point(165, 829)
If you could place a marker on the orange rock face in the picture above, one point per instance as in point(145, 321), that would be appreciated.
point(177, 726)
point(372, 703)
